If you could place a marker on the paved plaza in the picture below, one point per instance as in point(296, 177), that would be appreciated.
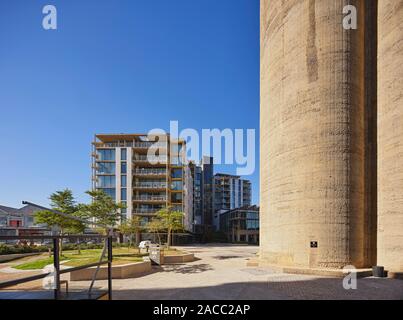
point(221, 273)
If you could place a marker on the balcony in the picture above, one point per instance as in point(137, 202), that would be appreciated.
point(121, 144)
point(148, 144)
point(150, 172)
point(147, 198)
point(150, 185)
point(141, 211)
point(140, 158)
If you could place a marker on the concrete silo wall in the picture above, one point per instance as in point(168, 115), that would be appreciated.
point(390, 134)
point(312, 135)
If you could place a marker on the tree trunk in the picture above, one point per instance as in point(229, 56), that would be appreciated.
point(169, 238)
point(61, 243)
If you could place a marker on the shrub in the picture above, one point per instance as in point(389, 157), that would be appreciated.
point(15, 249)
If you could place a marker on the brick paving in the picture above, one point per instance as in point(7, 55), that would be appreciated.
point(220, 272)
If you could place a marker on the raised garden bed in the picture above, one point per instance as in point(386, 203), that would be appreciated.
point(124, 271)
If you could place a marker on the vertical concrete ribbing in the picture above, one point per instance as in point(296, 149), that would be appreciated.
point(390, 134)
point(312, 127)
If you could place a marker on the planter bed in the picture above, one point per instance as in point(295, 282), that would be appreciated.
point(177, 258)
point(124, 271)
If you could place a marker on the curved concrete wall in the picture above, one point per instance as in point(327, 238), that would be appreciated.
point(312, 135)
point(390, 134)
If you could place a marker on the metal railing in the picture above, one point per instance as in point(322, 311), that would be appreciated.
point(150, 172)
point(150, 198)
point(149, 211)
point(143, 158)
point(150, 185)
point(56, 262)
point(149, 144)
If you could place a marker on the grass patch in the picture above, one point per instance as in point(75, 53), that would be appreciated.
point(36, 264)
point(120, 256)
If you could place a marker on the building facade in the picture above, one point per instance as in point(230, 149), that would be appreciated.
point(20, 222)
point(229, 192)
point(146, 173)
point(196, 174)
point(207, 170)
point(241, 224)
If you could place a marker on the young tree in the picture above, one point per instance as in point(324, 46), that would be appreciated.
point(103, 209)
point(155, 226)
point(172, 220)
point(62, 201)
point(131, 228)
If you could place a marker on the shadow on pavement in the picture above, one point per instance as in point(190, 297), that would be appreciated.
point(275, 289)
point(184, 268)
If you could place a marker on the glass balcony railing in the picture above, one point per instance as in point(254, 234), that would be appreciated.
point(150, 185)
point(148, 144)
point(150, 198)
point(146, 211)
point(146, 158)
point(150, 172)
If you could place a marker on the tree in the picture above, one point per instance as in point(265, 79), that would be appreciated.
point(103, 209)
point(172, 220)
point(62, 201)
point(155, 226)
point(131, 227)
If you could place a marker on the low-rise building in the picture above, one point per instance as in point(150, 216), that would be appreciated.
point(20, 222)
point(241, 224)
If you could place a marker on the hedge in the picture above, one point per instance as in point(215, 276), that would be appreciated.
point(13, 249)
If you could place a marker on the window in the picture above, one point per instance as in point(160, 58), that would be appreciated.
point(176, 173)
point(123, 154)
point(110, 192)
point(124, 210)
point(123, 167)
point(176, 185)
point(106, 154)
point(123, 181)
point(123, 194)
point(106, 182)
point(106, 168)
point(3, 221)
point(176, 197)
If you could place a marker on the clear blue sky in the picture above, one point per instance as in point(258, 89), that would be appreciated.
point(117, 66)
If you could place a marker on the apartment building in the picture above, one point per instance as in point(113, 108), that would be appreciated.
point(144, 172)
point(229, 192)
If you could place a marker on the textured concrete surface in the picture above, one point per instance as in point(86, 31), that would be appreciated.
point(390, 134)
point(221, 273)
point(312, 135)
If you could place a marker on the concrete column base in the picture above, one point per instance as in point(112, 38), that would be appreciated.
point(337, 273)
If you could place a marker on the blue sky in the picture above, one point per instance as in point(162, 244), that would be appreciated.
point(117, 66)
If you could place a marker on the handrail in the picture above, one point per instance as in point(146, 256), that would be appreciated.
point(56, 262)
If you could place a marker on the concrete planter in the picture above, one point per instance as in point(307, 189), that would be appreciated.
point(182, 258)
point(123, 271)
point(10, 257)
